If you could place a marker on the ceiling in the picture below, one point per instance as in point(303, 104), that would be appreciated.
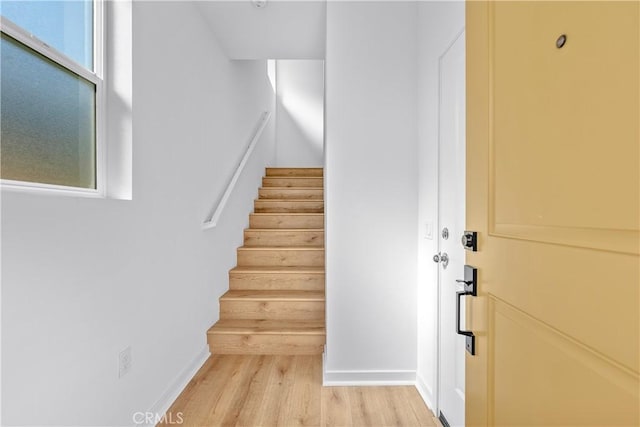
point(280, 30)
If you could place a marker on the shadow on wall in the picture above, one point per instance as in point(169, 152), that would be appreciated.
point(306, 134)
point(300, 113)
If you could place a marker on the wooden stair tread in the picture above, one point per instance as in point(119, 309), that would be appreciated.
point(280, 248)
point(283, 171)
point(289, 200)
point(292, 181)
point(286, 230)
point(291, 193)
point(285, 295)
point(292, 188)
point(284, 237)
point(319, 178)
point(276, 269)
point(289, 205)
point(267, 327)
point(264, 214)
point(281, 256)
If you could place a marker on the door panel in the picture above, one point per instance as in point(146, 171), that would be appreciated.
point(541, 99)
point(451, 212)
point(552, 376)
point(553, 188)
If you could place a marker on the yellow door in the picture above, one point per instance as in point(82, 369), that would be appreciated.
point(553, 191)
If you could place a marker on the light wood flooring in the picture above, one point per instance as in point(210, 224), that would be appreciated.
point(274, 390)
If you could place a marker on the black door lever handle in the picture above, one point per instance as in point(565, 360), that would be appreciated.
point(470, 338)
point(470, 288)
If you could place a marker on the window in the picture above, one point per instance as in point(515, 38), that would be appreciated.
point(51, 90)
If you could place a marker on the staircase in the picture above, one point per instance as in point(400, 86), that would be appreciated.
point(275, 302)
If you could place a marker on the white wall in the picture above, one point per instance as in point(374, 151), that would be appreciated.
point(300, 113)
point(84, 278)
point(439, 23)
point(282, 29)
point(371, 191)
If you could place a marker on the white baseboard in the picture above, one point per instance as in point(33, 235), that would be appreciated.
point(368, 378)
point(178, 385)
point(426, 393)
point(365, 378)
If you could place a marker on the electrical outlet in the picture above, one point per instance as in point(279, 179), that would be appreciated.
point(124, 362)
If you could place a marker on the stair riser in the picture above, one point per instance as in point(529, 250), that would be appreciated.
point(282, 258)
point(286, 221)
point(292, 182)
point(276, 281)
point(301, 172)
point(292, 193)
point(265, 344)
point(272, 310)
point(283, 238)
point(272, 206)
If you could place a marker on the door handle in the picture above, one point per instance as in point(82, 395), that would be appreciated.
point(470, 288)
point(470, 338)
point(442, 258)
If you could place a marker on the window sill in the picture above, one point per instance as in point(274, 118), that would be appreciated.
point(48, 189)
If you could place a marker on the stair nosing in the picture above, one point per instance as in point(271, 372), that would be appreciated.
point(283, 297)
point(316, 328)
point(297, 230)
point(254, 332)
point(283, 248)
point(289, 200)
point(287, 213)
point(276, 270)
point(291, 188)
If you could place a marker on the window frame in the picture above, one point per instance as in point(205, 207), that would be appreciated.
point(96, 77)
